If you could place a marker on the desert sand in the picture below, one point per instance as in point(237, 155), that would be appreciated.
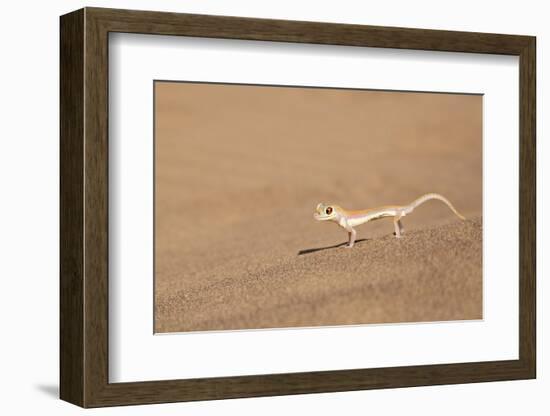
point(240, 169)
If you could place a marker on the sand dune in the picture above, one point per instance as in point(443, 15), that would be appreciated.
point(432, 274)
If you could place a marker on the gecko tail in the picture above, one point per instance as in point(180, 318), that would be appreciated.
point(428, 197)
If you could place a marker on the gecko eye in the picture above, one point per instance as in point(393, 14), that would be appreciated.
point(328, 211)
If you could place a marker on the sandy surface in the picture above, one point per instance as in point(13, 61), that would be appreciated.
point(239, 171)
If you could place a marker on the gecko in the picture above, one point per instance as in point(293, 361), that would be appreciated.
point(350, 219)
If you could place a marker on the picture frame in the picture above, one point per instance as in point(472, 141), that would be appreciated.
point(84, 215)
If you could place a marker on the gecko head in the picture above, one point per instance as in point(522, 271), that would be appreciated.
point(325, 212)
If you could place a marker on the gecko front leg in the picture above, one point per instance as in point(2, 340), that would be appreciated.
point(351, 237)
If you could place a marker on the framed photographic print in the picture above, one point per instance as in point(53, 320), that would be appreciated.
point(255, 207)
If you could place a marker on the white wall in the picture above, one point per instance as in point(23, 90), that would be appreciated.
point(29, 205)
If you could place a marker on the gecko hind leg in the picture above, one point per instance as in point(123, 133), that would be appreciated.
point(398, 226)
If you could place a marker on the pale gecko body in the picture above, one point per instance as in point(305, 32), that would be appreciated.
point(350, 219)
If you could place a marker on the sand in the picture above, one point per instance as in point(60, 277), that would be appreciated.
point(239, 171)
point(431, 275)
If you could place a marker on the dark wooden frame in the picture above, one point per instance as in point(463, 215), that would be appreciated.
point(84, 207)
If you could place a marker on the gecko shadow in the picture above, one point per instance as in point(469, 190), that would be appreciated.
point(313, 250)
